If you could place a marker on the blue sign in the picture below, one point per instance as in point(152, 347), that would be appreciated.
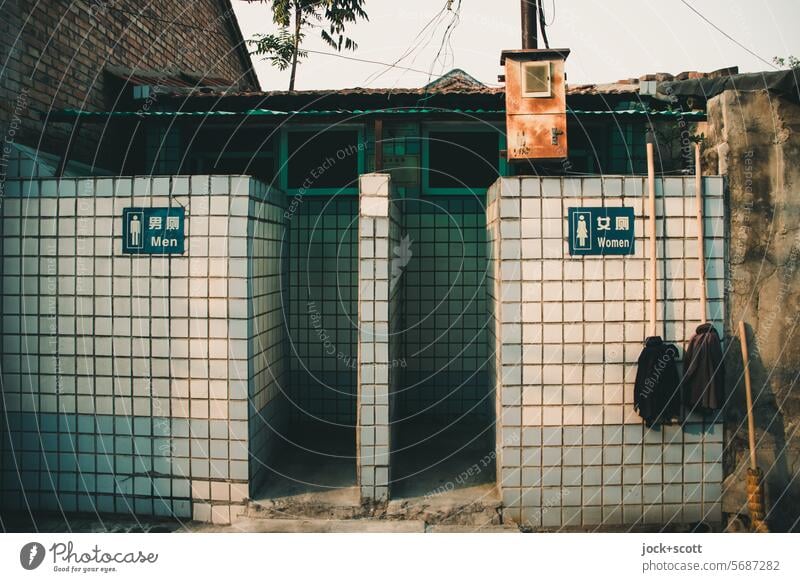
point(153, 231)
point(601, 231)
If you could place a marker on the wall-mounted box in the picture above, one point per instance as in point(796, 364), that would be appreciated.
point(536, 105)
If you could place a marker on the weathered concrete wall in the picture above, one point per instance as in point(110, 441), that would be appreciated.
point(754, 138)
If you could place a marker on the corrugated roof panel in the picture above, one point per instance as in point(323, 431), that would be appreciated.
point(333, 112)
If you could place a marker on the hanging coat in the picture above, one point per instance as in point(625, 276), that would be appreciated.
point(704, 373)
point(656, 394)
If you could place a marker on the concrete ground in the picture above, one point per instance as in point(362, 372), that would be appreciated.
point(443, 481)
point(84, 523)
point(431, 457)
point(345, 526)
point(428, 458)
point(116, 524)
point(319, 459)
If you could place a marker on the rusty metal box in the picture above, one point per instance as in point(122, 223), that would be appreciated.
point(536, 105)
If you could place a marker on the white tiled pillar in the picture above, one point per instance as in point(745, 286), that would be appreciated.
point(379, 305)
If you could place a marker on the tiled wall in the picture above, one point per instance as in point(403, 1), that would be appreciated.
point(126, 378)
point(494, 326)
point(445, 308)
point(266, 371)
point(322, 299)
point(397, 362)
point(568, 332)
point(379, 319)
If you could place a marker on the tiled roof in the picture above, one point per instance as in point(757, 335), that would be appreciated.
point(455, 91)
point(459, 82)
point(169, 79)
point(628, 86)
point(355, 113)
point(455, 80)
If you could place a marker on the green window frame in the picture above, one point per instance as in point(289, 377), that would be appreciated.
point(283, 159)
point(459, 127)
point(626, 151)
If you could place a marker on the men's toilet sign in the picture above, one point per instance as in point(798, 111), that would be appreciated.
point(153, 231)
point(601, 231)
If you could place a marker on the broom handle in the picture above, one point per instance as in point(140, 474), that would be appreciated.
point(651, 225)
point(751, 425)
point(701, 251)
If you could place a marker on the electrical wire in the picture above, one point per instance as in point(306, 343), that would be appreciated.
point(387, 66)
point(390, 65)
point(728, 36)
point(370, 61)
point(416, 43)
point(164, 20)
point(542, 24)
point(445, 46)
point(341, 56)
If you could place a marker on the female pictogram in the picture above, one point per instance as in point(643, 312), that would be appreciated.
point(582, 232)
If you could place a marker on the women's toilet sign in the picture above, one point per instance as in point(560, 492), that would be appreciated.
point(601, 231)
point(153, 231)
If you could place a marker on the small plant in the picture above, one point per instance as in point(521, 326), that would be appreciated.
point(294, 17)
point(278, 48)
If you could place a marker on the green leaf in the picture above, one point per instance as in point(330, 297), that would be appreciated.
point(332, 16)
point(277, 48)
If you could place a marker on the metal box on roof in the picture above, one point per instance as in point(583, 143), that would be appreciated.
point(536, 105)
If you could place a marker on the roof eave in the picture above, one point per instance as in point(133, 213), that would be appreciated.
point(240, 45)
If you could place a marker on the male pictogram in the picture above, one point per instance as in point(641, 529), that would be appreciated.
point(135, 230)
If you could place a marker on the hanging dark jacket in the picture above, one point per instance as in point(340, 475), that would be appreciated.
point(704, 373)
point(656, 394)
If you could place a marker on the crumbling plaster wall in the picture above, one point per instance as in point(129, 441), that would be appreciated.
point(754, 139)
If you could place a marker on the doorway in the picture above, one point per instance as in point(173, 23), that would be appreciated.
point(314, 461)
point(443, 417)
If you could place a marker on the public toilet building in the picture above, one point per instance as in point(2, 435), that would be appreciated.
point(351, 303)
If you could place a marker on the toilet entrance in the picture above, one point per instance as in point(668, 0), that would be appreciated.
point(443, 413)
point(312, 463)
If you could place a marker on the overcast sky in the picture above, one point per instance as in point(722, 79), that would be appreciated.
point(609, 39)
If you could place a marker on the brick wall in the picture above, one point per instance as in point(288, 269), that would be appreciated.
point(54, 54)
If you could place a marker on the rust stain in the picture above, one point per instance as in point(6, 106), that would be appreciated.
point(536, 126)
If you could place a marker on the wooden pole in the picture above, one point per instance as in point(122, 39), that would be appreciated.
point(651, 226)
point(529, 23)
point(751, 425)
point(701, 249)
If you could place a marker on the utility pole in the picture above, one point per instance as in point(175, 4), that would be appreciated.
point(529, 24)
